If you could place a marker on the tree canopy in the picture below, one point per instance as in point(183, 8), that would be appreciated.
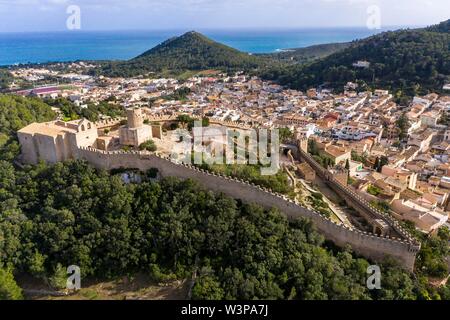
point(91, 111)
point(5, 78)
point(308, 54)
point(70, 213)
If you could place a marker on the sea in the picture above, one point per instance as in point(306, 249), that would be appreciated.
point(41, 47)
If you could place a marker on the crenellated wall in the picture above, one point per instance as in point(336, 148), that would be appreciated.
point(174, 117)
point(103, 124)
point(355, 200)
point(365, 244)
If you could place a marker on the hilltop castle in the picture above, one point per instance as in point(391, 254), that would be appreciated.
point(57, 141)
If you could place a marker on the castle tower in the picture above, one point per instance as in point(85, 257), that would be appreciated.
point(135, 118)
point(135, 132)
point(303, 144)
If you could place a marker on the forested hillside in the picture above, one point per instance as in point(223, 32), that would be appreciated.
point(408, 62)
point(72, 214)
point(441, 27)
point(191, 51)
point(308, 54)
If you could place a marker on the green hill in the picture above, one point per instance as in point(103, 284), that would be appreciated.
point(442, 27)
point(408, 62)
point(191, 51)
point(308, 54)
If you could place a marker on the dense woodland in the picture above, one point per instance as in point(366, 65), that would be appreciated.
point(407, 62)
point(441, 27)
point(308, 54)
point(72, 214)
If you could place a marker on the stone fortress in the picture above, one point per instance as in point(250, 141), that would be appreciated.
point(56, 141)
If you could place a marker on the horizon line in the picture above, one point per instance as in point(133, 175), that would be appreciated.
point(206, 29)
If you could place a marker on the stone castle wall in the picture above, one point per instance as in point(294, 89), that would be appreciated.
point(355, 200)
point(365, 244)
point(105, 124)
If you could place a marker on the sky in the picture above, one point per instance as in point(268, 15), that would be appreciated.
point(51, 15)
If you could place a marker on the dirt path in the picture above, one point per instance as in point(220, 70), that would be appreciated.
point(140, 287)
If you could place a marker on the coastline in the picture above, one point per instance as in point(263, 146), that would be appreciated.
point(53, 47)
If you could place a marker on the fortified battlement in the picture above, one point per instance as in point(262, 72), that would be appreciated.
point(355, 199)
point(103, 124)
point(368, 245)
point(230, 124)
point(162, 118)
point(168, 118)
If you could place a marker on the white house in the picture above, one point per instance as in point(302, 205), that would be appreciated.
point(362, 64)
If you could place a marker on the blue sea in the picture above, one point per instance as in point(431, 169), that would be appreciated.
point(122, 45)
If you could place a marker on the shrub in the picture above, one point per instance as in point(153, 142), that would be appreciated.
point(149, 146)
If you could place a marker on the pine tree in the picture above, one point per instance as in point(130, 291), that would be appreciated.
point(9, 290)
